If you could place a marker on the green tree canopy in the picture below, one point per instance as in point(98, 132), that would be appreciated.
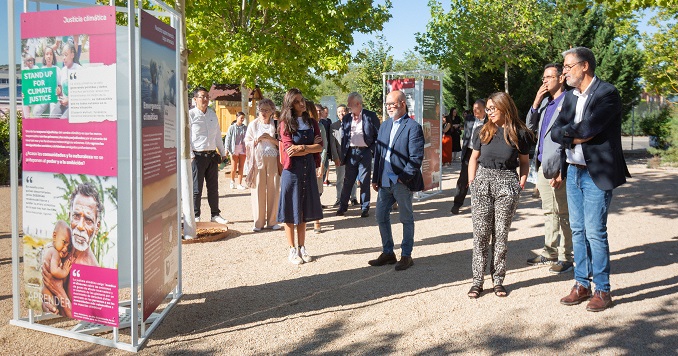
point(275, 43)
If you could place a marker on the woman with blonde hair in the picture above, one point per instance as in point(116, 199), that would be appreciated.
point(499, 147)
point(300, 147)
point(261, 166)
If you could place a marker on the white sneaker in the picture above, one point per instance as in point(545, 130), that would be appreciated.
point(293, 256)
point(256, 229)
point(241, 187)
point(219, 220)
point(305, 256)
point(276, 227)
point(232, 185)
point(197, 219)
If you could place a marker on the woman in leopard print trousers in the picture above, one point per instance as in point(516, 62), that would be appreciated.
point(501, 146)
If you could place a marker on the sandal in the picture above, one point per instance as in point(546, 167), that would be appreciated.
point(474, 292)
point(500, 291)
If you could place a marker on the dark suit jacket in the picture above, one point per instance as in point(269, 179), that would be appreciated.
point(407, 153)
point(468, 133)
point(370, 123)
point(601, 120)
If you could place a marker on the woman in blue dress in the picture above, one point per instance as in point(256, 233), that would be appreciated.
point(300, 147)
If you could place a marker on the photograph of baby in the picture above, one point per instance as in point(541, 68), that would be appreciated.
point(83, 211)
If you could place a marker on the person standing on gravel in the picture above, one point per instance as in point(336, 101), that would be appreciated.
point(397, 174)
point(589, 131)
point(546, 107)
point(207, 151)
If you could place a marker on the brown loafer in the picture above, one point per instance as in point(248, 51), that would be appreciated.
point(404, 263)
point(577, 295)
point(384, 258)
point(600, 301)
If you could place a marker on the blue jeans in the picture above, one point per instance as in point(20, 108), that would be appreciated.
point(588, 207)
point(385, 199)
point(358, 166)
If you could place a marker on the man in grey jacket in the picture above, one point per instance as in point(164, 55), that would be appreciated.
point(335, 149)
point(543, 113)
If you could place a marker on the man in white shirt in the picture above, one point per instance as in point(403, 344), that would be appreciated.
point(207, 151)
point(471, 125)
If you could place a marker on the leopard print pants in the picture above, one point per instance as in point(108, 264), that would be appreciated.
point(494, 198)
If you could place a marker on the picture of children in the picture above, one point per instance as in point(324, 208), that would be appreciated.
point(58, 258)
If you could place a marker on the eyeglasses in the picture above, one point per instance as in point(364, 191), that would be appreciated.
point(206, 97)
point(548, 77)
point(568, 67)
point(388, 105)
point(490, 110)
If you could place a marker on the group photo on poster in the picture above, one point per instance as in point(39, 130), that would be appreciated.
point(47, 64)
point(69, 220)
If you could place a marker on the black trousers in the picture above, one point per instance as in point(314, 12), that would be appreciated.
point(462, 182)
point(205, 167)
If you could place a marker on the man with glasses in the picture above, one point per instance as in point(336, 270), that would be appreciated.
point(589, 131)
point(472, 124)
point(335, 148)
point(397, 174)
point(360, 128)
point(207, 151)
point(546, 107)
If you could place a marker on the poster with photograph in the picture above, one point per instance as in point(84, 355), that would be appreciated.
point(70, 163)
point(159, 155)
point(406, 85)
point(432, 125)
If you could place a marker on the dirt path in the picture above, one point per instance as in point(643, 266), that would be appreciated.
point(243, 297)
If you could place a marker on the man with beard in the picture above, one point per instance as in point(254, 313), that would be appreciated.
point(85, 219)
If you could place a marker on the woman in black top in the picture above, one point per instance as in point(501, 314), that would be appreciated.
point(499, 147)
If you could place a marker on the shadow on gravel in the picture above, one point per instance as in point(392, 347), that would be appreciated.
point(251, 306)
point(654, 191)
point(651, 332)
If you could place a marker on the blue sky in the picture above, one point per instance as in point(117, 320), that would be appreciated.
point(409, 17)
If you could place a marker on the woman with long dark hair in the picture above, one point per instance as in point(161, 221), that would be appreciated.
point(500, 146)
point(300, 147)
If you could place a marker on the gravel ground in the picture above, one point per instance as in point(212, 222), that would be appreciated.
point(241, 296)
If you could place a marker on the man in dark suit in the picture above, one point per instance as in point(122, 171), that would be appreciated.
point(589, 131)
point(360, 128)
point(397, 174)
point(471, 125)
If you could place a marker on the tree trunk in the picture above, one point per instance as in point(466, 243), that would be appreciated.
point(467, 93)
point(244, 100)
point(506, 77)
point(185, 164)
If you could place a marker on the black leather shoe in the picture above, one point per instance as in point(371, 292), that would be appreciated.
point(354, 202)
point(365, 214)
point(455, 209)
point(341, 212)
point(384, 258)
point(404, 263)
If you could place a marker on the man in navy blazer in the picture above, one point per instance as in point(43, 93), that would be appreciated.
point(360, 128)
point(398, 156)
point(589, 131)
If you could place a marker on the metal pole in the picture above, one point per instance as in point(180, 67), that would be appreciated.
point(14, 164)
point(139, 222)
point(134, 305)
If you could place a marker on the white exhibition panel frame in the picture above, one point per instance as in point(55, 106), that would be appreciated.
point(130, 244)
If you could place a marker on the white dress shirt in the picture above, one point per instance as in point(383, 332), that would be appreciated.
point(205, 131)
point(357, 138)
point(576, 155)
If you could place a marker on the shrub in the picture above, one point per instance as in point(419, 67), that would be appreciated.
point(4, 146)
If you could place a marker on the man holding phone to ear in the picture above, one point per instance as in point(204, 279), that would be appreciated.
point(543, 113)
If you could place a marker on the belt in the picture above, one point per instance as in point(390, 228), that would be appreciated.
point(204, 153)
point(578, 166)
